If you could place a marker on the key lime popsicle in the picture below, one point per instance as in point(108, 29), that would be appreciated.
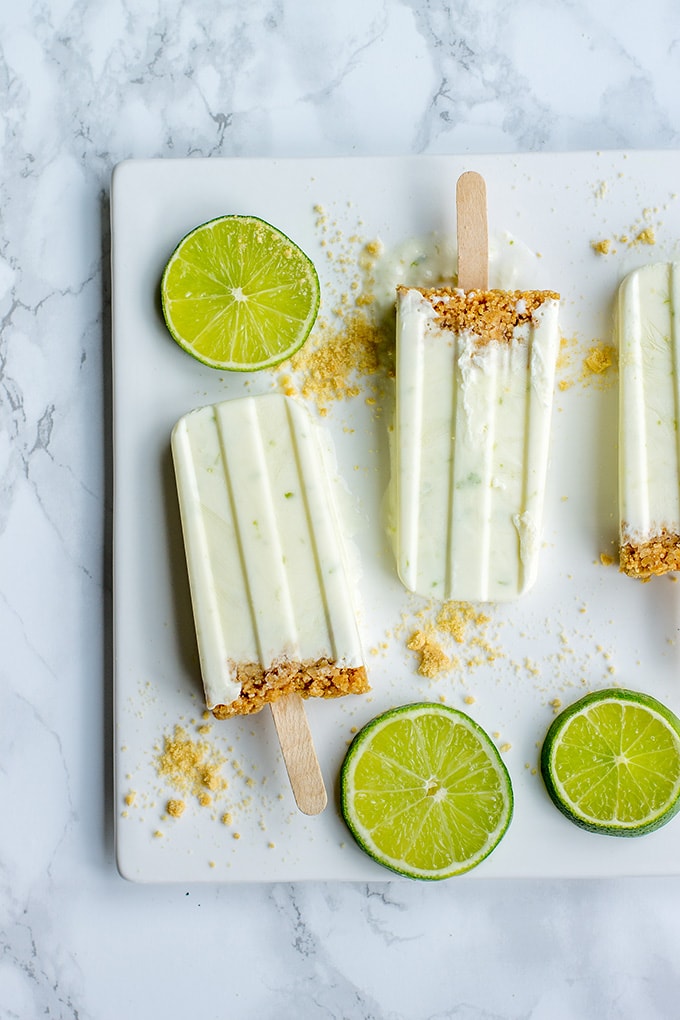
point(649, 402)
point(270, 586)
point(475, 377)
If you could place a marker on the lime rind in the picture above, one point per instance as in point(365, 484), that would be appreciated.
point(239, 295)
point(590, 794)
point(429, 836)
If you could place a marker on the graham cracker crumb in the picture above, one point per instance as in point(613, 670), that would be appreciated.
point(455, 618)
point(601, 247)
point(349, 349)
point(319, 679)
point(191, 766)
point(491, 315)
point(439, 632)
point(433, 658)
point(592, 365)
point(175, 808)
point(656, 555)
point(340, 357)
point(646, 236)
point(599, 359)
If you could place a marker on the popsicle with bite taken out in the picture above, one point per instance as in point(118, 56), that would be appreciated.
point(475, 376)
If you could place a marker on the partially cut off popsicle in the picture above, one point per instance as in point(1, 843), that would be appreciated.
point(649, 412)
point(475, 377)
point(270, 587)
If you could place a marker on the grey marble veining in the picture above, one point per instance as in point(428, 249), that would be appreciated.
point(84, 85)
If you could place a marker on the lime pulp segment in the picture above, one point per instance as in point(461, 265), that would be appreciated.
point(611, 763)
point(424, 791)
point(238, 294)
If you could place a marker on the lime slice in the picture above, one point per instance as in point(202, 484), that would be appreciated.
point(424, 791)
point(611, 763)
point(238, 294)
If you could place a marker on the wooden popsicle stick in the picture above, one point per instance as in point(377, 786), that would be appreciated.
point(297, 748)
point(472, 232)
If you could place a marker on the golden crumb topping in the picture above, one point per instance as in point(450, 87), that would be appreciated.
point(319, 679)
point(488, 314)
point(658, 555)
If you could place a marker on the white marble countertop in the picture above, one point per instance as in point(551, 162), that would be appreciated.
point(85, 85)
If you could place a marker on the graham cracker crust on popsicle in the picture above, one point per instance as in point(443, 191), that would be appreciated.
point(657, 555)
point(487, 314)
point(319, 679)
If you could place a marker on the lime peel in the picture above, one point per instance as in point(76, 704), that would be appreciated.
point(424, 791)
point(611, 763)
point(239, 295)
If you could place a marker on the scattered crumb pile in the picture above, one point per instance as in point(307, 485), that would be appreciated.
point(594, 365)
point(600, 367)
point(458, 618)
point(454, 640)
point(646, 236)
point(191, 767)
point(600, 359)
point(433, 658)
point(337, 360)
point(453, 624)
point(605, 247)
point(349, 349)
point(641, 232)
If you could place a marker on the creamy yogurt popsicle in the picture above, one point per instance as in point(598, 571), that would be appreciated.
point(270, 586)
point(475, 376)
point(649, 409)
